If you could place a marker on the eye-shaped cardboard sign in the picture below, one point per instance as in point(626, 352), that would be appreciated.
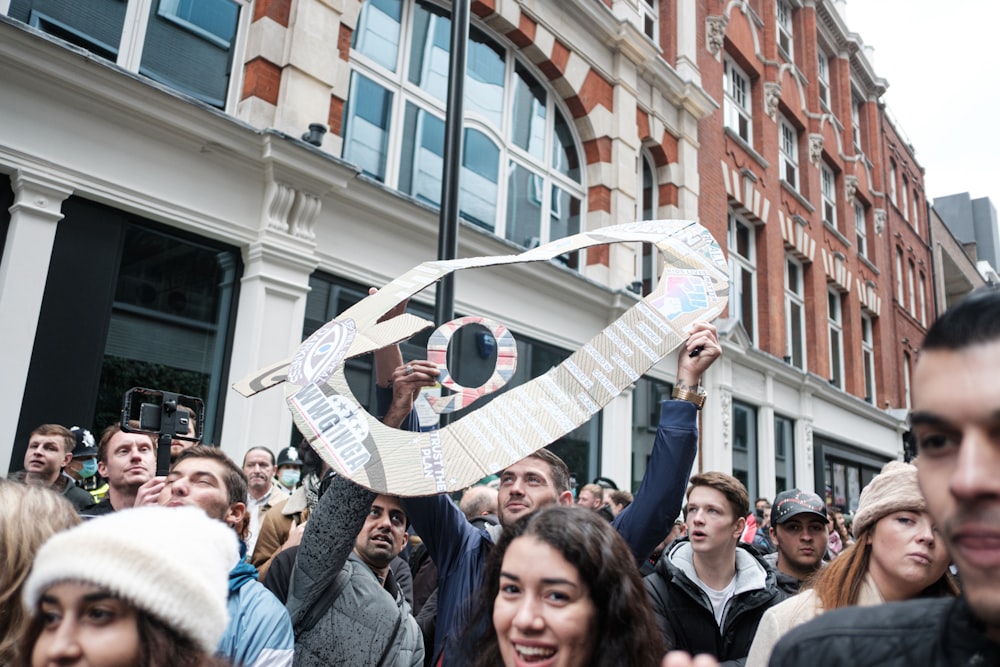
point(694, 287)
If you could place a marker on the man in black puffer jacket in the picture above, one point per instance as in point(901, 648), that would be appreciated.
point(709, 590)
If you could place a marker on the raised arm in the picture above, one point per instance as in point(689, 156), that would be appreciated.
point(658, 501)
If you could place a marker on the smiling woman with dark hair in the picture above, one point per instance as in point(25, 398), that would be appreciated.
point(562, 585)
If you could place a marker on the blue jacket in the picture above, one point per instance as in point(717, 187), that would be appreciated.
point(259, 633)
point(460, 550)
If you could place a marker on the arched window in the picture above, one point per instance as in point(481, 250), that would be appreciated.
point(521, 174)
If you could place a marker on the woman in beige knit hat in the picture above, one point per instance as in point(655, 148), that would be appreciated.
point(896, 555)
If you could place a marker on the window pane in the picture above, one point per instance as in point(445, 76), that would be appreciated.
point(377, 34)
point(95, 25)
point(564, 156)
point(747, 301)
point(795, 324)
point(524, 206)
point(429, 50)
point(367, 126)
point(422, 159)
point(480, 174)
point(528, 122)
point(484, 79)
point(187, 47)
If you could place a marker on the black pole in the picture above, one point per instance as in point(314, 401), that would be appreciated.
point(444, 305)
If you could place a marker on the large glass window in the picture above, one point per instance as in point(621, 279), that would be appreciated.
point(650, 12)
point(892, 180)
point(737, 103)
point(745, 445)
point(856, 120)
point(823, 76)
point(521, 165)
point(835, 322)
point(899, 277)
point(743, 274)
point(795, 325)
point(789, 145)
point(169, 324)
point(187, 44)
point(784, 454)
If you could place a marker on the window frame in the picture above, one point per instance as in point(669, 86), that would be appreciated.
point(861, 228)
point(795, 296)
point(738, 113)
point(788, 147)
point(835, 329)
point(785, 32)
point(741, 265)
point(823, 77)
point(828, 190)
point(868, 357)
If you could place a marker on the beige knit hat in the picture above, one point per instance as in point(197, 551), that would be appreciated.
point(893, 490)
point(172, 563)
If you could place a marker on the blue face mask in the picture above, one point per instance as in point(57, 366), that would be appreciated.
point(89, 468)
point(290, 477)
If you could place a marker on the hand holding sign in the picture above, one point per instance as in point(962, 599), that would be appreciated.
point(694, 287)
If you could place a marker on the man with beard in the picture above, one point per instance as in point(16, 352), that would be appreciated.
point(955, 421)
point(342, 614)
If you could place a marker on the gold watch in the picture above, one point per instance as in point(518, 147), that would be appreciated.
point(696, 397)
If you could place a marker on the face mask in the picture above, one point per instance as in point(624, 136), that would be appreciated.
point(290, 477)
point(89, 468)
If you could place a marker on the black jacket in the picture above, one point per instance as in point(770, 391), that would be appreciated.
point(684, 613)
point(928, 632)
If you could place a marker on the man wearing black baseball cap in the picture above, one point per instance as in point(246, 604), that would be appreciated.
point(800, 531)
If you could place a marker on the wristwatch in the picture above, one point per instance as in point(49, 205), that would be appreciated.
point(696, 397)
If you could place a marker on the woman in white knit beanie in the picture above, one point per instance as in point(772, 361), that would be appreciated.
point(896, 555)
point(145, 586)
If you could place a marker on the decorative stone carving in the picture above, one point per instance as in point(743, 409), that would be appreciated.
point(772, 95)
point(850, 186)
point(303, 216)
point(715, 33)
point(726, 403)
point(815, 148)
point(281, 198)
point(808, 445)
point(879, 220)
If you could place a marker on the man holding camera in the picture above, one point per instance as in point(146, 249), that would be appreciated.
point(127, 461)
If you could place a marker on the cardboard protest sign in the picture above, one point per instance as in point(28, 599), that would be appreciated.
point(694, 287)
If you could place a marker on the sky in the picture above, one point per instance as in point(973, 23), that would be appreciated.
point(943, 90)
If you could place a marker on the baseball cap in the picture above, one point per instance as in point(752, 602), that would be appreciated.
point(85, 444)
point(794, 502)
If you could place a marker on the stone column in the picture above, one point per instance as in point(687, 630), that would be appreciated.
point(23, 270)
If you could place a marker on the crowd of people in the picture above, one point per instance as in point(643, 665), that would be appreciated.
point(280, 561)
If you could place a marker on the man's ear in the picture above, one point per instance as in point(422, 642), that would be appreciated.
point(234, 517)
point(67, 458)
point(565, 498)
point(741, 525)
point(404, 541)
point(102, 469)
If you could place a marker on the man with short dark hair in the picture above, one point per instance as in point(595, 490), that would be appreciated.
point(259, 633)
point(542, 478)
point(799, 531)
point(50, 449)
point(341, 613)
point(127, 461)
point(955, 421)
point(710, 589)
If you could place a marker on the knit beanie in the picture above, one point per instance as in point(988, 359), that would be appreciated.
point(893, 490)
point(172, 563)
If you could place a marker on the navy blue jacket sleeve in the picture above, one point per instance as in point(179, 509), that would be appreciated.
point(649, 518)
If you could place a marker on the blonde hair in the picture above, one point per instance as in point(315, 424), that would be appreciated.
point(29, 515)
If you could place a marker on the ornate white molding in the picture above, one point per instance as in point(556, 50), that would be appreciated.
point(302, 218)
point(879, 220)
point(815, 148)
point(850, 186)
point(807, 446)
point(726, 405)
point(715, 33)
point(280, 199)
point(772, 95)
